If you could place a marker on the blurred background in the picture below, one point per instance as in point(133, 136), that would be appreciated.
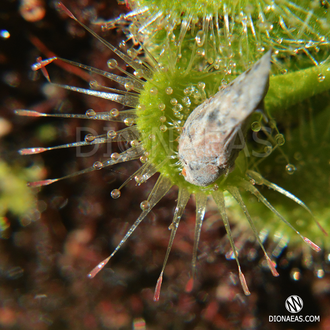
point(52, 237)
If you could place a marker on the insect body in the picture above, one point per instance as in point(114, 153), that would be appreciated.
point(212, 135)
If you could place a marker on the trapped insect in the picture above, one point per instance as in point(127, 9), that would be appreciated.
point(212, 135)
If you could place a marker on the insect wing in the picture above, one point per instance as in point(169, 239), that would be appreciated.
point(245, 93)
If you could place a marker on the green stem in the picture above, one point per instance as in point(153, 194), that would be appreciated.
point(292, 88)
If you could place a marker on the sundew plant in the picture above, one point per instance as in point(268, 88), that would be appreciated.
point(178, 55)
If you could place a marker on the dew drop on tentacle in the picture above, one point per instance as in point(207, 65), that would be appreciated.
point(112, 134)
point(90, 113)
point(98, 165)
point(145, 205)
point(169, 91)
point(161, 106)
point(115, 193)
point(295, 274)
point(139, 179)
point(89, 138)
point(115, 156)
point(112, 64)
point(114, 113)
point(290, 169)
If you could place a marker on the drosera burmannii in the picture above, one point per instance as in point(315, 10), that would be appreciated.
point(162, 93)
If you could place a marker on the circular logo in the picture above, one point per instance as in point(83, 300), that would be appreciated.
point(294, 304)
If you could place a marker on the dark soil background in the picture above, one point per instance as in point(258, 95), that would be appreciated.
point(44, 265)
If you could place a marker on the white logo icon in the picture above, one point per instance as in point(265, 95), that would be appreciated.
point(294, 304)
